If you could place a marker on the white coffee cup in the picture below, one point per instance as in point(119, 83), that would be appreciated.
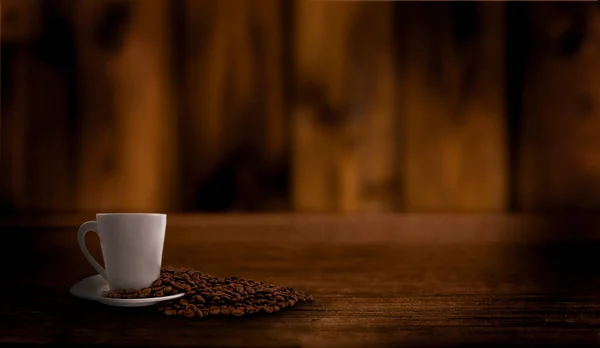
point(132, 247)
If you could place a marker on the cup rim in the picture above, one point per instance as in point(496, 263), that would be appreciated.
point(130, 214)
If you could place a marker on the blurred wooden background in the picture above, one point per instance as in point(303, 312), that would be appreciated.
point(308, 106)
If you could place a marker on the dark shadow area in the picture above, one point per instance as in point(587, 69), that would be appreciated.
point(517, 47)
point(568, 265)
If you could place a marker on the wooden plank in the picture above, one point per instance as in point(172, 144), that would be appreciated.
point(344, 121)
point(128, 127)
point(15, 121)
point(37, 170)
point(234, 127)
point(16, 110)
point(453, 107)
point(35, 164)
point(560, 141)
point(49, 169)
point(21, 20)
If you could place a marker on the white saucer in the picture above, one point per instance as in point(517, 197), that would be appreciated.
point(91, 288)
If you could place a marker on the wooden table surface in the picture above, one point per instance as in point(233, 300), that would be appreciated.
point(378, 280)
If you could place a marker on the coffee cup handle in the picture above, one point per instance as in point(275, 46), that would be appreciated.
point(83, 230)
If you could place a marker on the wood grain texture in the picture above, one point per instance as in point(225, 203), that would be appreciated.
point(452, 106)
point(127, 158)
point(344, 123)
point(235, 124)
point(13, 141)
point(369, 291)
point(20, 20)
point(36, 152)
point(559, 167)
point(313, 106)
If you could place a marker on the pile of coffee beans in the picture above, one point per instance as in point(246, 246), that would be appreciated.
point(207, 295)
point(154, 291)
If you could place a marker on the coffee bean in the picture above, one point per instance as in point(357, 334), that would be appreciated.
point(178, 285)
point(207, 295)
point(199, 299)
point(154, 291)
